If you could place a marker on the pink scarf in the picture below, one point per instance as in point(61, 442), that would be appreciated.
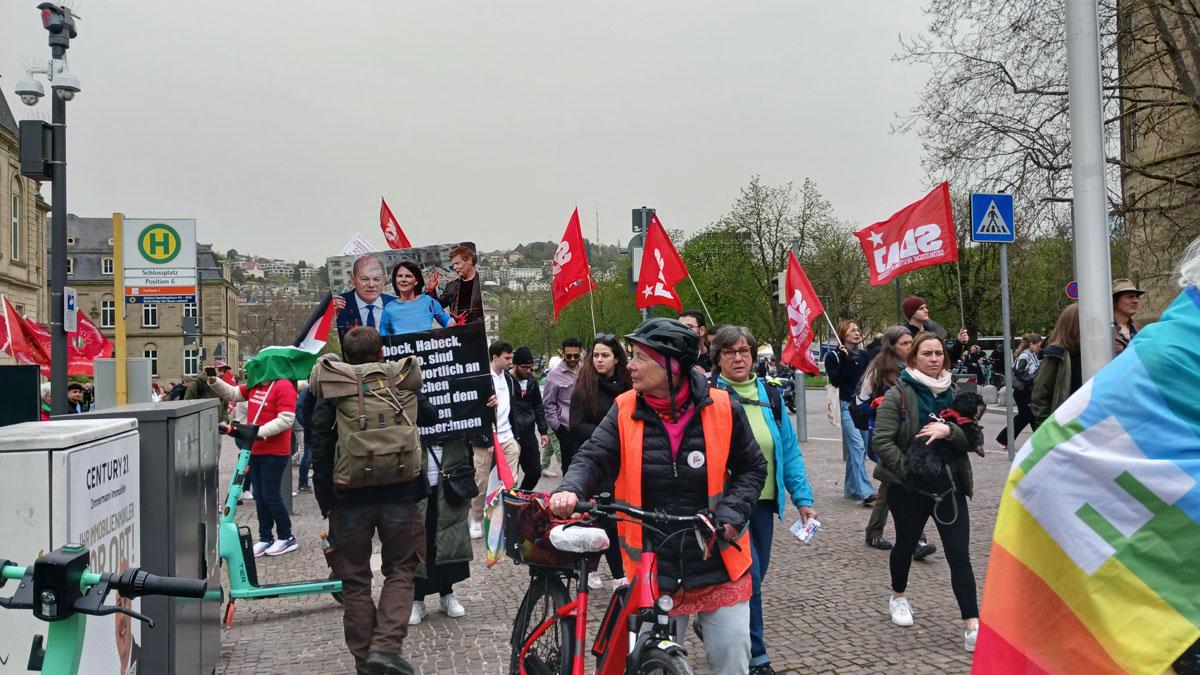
point(662, 406)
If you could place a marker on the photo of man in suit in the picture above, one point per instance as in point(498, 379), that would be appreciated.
point(364, 305)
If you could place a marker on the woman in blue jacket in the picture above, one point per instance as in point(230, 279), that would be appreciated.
point(733, 352)
point(412, 311)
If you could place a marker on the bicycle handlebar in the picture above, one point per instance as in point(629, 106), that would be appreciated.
point(583, 506)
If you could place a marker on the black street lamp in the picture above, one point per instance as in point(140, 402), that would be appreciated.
point(59, 22)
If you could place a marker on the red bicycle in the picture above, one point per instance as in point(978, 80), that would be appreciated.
point(550, 631)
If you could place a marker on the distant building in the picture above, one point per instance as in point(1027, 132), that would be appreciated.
point(23, 230)
point(537, 286)
point(170, 334)
point(525, 273)
point(251, 270)
point(278, 268)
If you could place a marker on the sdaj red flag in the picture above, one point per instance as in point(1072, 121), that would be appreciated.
point(571, 276)
point(661, 269)
point(391, 227)
point(919, 235)
point(803, 306)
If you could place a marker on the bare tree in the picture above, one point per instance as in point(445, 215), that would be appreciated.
point(276, 321)
point(994, 111)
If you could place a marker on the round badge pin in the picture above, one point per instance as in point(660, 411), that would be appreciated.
point(696, 459)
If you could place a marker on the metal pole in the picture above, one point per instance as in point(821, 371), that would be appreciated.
point(1008, 378)
point(58, 248)
point(800, 396)
point(899, 299)
point(119, 305)
point(1092, 253)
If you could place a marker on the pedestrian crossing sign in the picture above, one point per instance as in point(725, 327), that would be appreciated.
point(992, 218)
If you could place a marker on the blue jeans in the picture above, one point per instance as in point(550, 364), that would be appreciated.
point(762, 533)
point(858, 484)
point(305, 461)
point(266, 477)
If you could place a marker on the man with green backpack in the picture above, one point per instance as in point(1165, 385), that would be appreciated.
point(367, 478)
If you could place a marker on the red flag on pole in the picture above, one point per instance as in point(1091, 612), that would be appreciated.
point(391, 227)
point(919, 235)
point(570, 274)
point(803, 306)
point(29, 342)
point(661, 269)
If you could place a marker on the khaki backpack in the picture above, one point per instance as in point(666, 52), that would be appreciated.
point(378, 440)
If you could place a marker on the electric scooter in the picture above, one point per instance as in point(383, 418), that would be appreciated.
point(236, 542)
point(58, 588)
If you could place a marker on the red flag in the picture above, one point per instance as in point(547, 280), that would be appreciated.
point(662, 268)
point(391, 227)
point(803, 306)
point(19, 343)
point(570, 274)
point(29, 343)
point(919, 235)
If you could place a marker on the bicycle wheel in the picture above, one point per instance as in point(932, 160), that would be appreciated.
point(654, 661)
point(552, 653)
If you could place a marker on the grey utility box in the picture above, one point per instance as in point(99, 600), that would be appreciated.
point(179, 487)
point(137, 379)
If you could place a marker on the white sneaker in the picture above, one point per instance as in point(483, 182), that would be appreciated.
point(282, 546)
point(260, 549)
point(418, 612)
point(476, 529)
point(595, 582)
point(969, 638)
point(451, 607)
point(900, 611)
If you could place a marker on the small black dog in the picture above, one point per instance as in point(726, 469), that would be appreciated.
point(925, 462)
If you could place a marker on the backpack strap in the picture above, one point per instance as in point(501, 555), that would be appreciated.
point(362, 402)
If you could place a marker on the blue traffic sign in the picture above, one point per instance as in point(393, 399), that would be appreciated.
point(992, 218)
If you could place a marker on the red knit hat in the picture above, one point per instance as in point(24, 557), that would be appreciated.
point(911, 304)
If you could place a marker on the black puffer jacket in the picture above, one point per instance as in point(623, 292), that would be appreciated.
point(583, 423)
point(675, 486)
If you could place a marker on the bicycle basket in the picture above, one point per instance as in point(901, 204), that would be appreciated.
point(527, 525)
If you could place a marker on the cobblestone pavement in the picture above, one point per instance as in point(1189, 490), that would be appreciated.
point(825, 604)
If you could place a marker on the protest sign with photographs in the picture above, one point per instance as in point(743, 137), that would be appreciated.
point(425, 302)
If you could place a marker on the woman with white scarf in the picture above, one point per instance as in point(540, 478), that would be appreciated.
point(904, 416)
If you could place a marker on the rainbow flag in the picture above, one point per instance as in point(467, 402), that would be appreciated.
point(1095, 563)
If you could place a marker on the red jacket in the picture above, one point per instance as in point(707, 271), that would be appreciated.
point(265, 402)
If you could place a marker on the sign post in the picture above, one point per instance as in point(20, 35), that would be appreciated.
point(992, 222)
point(70, 310)
point(159, 261)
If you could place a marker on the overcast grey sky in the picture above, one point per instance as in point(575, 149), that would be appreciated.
point(279, 125)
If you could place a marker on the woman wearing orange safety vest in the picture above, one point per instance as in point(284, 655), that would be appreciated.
point(678, 446)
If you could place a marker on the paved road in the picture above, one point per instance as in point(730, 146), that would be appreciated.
point(825, 604)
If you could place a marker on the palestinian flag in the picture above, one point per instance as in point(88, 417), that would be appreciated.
point(296, 361)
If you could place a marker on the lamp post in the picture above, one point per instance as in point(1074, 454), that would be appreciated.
point(59, 22)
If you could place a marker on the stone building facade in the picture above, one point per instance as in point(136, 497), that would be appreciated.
point(180, 338)
point(23, 230)
point(1160, 143)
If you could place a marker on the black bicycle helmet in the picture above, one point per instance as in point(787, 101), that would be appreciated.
point(669, 338)
point(673, 340)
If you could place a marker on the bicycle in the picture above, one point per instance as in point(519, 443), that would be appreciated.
point(635, 635)
point(60, 590)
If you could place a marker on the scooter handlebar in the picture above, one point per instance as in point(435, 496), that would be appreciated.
point(134, 583)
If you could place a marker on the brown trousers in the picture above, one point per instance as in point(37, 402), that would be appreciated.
point(402, 536)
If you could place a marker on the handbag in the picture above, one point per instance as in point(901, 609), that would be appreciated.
point(458, 483)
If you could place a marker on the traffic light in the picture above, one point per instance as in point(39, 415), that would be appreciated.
point(779, 283)
point(60, 22)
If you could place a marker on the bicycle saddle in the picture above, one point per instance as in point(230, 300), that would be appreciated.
point(576, 539)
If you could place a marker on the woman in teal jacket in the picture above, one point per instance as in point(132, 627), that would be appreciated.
point(733, 352)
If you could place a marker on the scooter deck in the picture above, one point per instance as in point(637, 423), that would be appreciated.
point(290, 588)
